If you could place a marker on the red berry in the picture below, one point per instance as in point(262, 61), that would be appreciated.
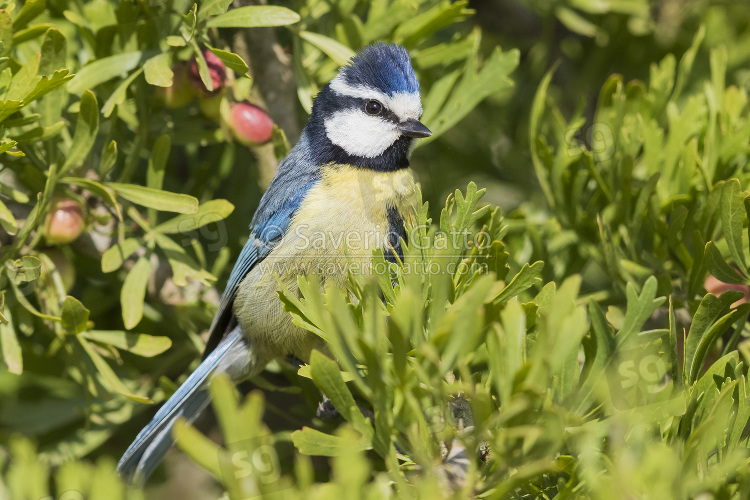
point(716, 287)
point(216, 70)
point(181, 92)
point(64, 222)
point(250, 125)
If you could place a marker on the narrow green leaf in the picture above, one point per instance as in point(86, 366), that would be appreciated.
point(254, 16)
point(120, 93)
point(203, 71)
point(202, 450)
point(212, 8)
point(9, 346)
point(711, 319)
point(137, 343)
point(231, 60)
point(6, 33)
point(87, 127)
point(109, 158)
point(326, 375)
point(338, 52)
point(719, 267)
point(115, 256)
point(211, 211)
point(109, 379)
point(732, 220)
point(30, 10)
point(528, 276)
point(158, 162)
point(155, 198)
point(106, 193)
point(102, 70)
point(7, 221)
point(133, 292)
point(313, 442)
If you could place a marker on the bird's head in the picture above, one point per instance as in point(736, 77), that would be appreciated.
point(368, 115)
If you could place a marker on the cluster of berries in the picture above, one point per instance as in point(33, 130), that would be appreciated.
point(249, 124)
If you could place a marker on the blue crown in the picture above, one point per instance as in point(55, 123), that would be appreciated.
point(383, 66)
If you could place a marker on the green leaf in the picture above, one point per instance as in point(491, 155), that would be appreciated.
point(203, 71)
point(24, 79)
point(75, 316)
point(212, 8)
point(133, 292)
point(313, 442)
point(30, 10)
point(528, 276)
point(109, 158)
point(87, 127)
point(183, 266)
point(208, 212)
point(6, 33)
point(155, 198)
point(46, 84)
point(158, 162)
point(711, 320)
point(719, 267)
point(254, 16)
point(732, 220)
point(116, 255)
point(7, 221)
point(9, 346)
point(137, 343)
point(120, 93)
point(107, 194)
point(30, 33)
point(102, 70)
point(640, 308)
point(27, 268)
point(54, 52)
point(333, 49)
point(231, 60)
point(443, 14)
point(326, 375)
point(158, 70)
point(202, 450)
point(110, 380)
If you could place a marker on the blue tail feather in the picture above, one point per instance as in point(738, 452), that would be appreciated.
point(231, 356)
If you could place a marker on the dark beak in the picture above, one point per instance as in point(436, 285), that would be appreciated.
point(414, 128)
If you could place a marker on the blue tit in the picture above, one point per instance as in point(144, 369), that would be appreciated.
point(343, 191)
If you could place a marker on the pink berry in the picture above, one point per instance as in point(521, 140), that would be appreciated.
point(716, 287)
point(216, 70)
point(250, 125)
point(64, 222)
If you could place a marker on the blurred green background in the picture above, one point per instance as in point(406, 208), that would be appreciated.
point(513, 89)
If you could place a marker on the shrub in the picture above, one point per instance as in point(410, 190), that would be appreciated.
point(562, 345)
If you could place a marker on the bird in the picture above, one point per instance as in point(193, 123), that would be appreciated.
point(344, 190)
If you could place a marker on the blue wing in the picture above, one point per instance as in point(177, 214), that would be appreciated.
point(296, 175)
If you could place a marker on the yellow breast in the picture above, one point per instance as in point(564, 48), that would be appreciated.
point(342, 219)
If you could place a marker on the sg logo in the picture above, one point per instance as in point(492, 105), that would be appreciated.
point(638, 377)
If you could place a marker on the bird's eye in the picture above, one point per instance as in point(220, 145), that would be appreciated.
point(373, 107)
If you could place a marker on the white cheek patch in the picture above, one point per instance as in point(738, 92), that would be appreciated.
point(360, 134)
point(406, 105)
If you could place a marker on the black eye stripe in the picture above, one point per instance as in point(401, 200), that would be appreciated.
point(387, 114)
